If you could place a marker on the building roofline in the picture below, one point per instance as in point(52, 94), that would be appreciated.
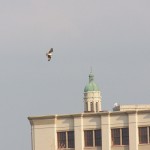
point(102, 113)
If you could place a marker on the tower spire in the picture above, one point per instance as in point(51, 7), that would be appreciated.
point(91, 76)
point(91, 69)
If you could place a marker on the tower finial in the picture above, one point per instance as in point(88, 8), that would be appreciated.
point(91, 69)
point(91, 76)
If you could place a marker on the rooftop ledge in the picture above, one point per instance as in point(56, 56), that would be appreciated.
point(132, 107)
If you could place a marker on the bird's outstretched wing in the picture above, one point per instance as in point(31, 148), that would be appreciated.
point(51, 50)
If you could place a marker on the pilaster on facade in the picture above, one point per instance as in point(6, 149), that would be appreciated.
point(106, 132)
point(78, 129)
point(133, 130)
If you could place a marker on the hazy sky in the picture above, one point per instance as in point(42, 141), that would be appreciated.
point(112, 36)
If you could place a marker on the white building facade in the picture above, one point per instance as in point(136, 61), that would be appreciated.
point(125, 128)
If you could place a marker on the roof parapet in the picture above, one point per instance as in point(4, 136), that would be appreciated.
point(131, 107)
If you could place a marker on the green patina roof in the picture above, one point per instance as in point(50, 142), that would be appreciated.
point(91, 86)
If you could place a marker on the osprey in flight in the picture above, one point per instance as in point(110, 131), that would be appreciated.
point(49, 54)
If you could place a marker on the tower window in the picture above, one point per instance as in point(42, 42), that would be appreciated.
point(97, 106)
point(91, 104)
point(86, 106)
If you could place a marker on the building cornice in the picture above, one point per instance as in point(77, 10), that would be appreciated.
point(87, 114)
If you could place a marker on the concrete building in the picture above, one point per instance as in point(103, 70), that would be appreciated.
point(127, 127)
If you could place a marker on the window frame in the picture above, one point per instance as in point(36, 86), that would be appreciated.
point(88, 138)
point(71, 139)
point(67, 142)
point(147, 135)
point(115, 136)
point(92, 139)
point(118, 138)
point(125, 137)
point(98, 138)
point(61, 139)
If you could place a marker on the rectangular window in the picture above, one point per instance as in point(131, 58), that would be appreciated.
point(115, 133)
point(88, 138)
point(92, 138)
point(120, 136)
point(125, 136)
point(61, 138)
point(143, 135)
point(70, 139)
point(65, 139)
point(98, 140)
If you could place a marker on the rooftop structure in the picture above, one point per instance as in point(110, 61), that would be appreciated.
point(132, 107)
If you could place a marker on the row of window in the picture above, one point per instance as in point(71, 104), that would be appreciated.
point(121, 136)
point(92, 106)
point(93, 138)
